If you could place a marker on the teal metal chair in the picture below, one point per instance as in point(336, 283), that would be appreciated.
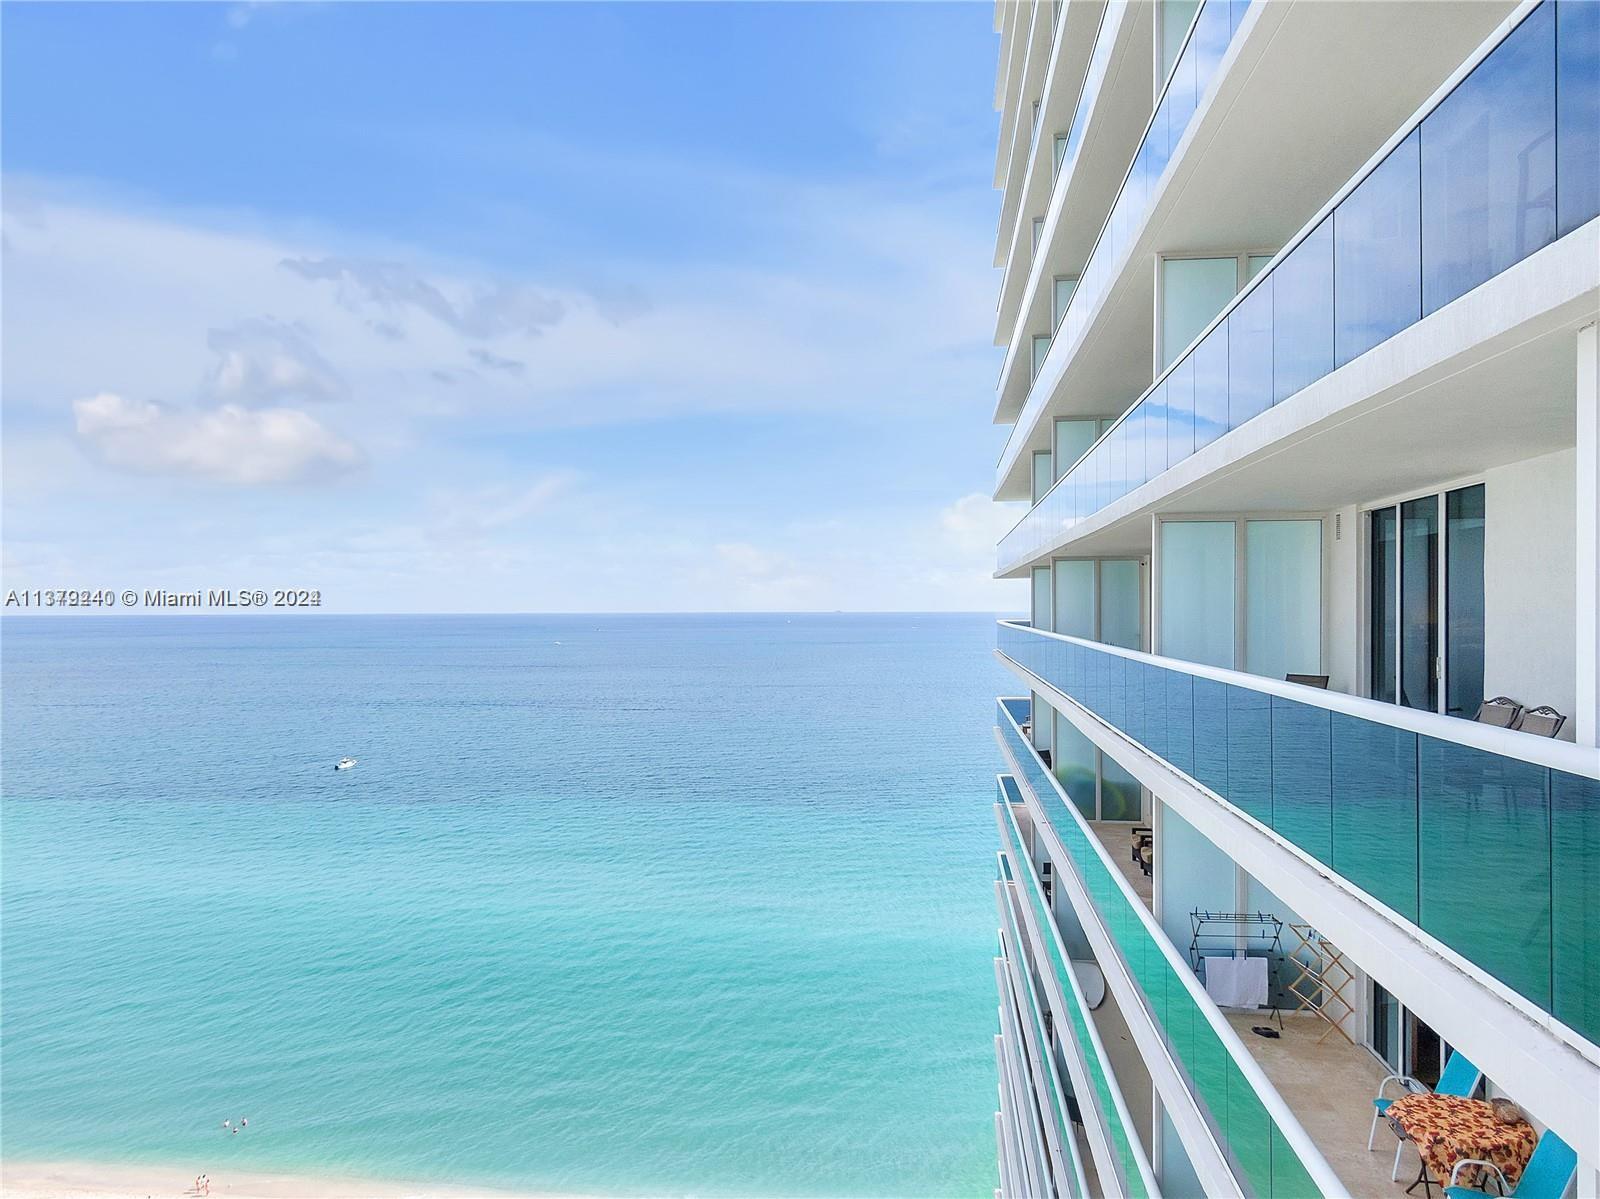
point(1548, 1173)
point(1460, 1078)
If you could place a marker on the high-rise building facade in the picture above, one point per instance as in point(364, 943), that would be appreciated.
point(1299, 814)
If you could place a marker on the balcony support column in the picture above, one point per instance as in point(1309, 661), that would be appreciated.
point(1588, 531)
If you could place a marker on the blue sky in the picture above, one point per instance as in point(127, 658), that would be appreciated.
point(503, 307)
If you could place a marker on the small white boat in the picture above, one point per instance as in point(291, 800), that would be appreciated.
point(344, 763)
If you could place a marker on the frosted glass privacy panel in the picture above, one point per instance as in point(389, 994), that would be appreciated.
point(1064, 288)
point(1042, 727)
point(1193, 290)
point(1073, 437)
point(1041, 350)
point(1197, 591)
point(1074, 588)
point(1074, 760)
point(1042, 476)
point(1176, 16)
point(1121, 622)
point(1041, 597)
point(1283, 597)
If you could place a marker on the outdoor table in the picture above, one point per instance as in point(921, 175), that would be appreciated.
point(1447, 1129)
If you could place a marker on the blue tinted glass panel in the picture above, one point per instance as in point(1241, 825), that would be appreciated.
point(1375, 810)
point(1180, 101)
point(1489, 165)
point(1577, 114)
point(1250, 753)
point(1250, 355)
point(1481, 808)
point(1155, 710)
point(1210, 359)
point(1180, 721)
point(1119, 461)
point(1302, 314)
point(1302, 776)
point(1158, 147)
point(1155, 432)
point(1377, 255)
point(1211, 735)
point(1180, 412)
point(1575, 918)
point(1134, 423)
point(1212, 32)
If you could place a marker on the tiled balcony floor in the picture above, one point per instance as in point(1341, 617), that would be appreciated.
point(1329, 1087)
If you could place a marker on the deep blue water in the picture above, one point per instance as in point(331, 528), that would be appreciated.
point(645, 904)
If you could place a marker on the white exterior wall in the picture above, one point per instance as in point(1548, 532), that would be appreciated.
point(1343, 602)
point(1530, 583)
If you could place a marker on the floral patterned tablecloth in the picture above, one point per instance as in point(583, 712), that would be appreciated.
point(1447, 1129)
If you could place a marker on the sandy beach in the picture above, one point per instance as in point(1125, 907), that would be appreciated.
point(93, 1180)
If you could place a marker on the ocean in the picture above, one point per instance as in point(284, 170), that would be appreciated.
point(687, 905)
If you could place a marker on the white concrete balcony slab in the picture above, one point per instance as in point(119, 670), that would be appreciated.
point(1275, 112)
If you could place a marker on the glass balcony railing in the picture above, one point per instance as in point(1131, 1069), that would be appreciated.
point(1505, 164)
point(1017, 1079)
point(1427, 814)
point(1268, 1148)
point(1209, 37)
point(1137, 1179)
point(1065, 149)
point(1063, 1148)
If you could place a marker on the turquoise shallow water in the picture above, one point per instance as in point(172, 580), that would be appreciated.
point(687, 905)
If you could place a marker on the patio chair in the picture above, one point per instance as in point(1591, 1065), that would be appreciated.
point(1541, 722)
point(1459, 1078)
point(1139, 832)
point(1308, 680)
point(1547, 1175)
point(1501, 711)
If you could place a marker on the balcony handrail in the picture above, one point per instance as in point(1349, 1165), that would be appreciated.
point(1141, 1156)
point(1504, 743)
point(1133, 161)
point(1067, 1150)
point(1439, 96)
point(1299, 1140)
point(1017, 114)
point(1103, 30)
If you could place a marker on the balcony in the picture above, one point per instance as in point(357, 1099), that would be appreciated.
point(1023, 1168)
point(1316, 1086)
point(1197, 66)
point(1263, 1144)
point(1037, 40)
point(1499, 167)
point(1421, 814)
point(1071, 184)
point(1041, 1094)
point(1121, 1164)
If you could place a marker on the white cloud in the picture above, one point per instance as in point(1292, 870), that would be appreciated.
point(265, 361)
point(462, 501)
point(230, 444)
point(975, 522)
point(479, 310)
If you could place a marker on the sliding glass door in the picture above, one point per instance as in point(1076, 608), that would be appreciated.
point(1426, 562)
